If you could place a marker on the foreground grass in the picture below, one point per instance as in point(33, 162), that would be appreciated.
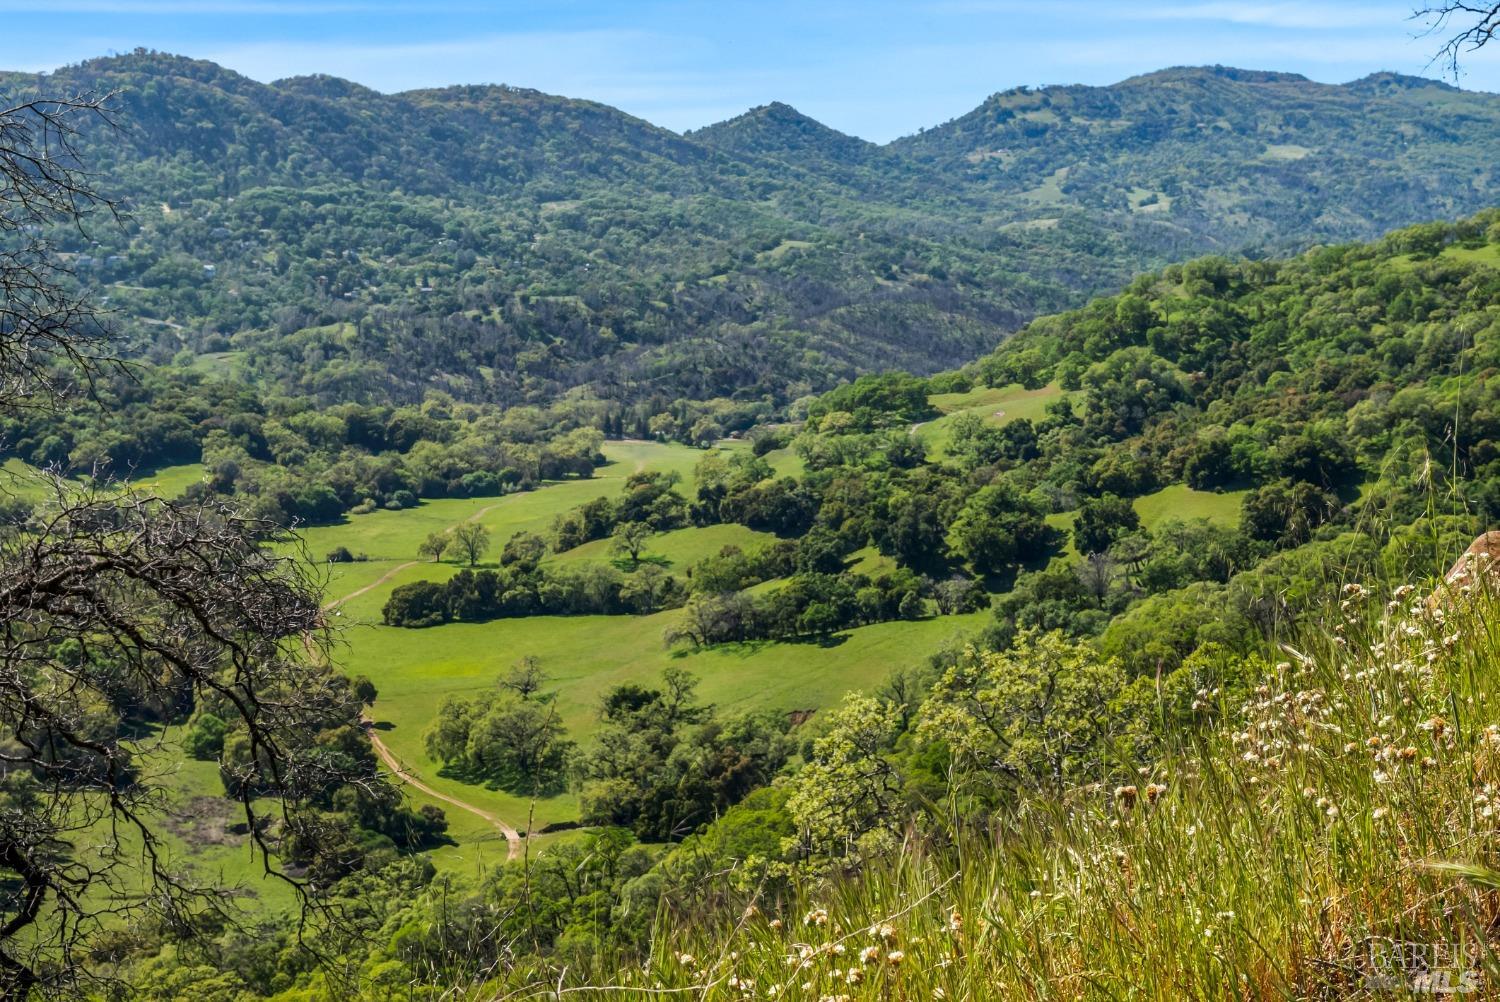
point(1346, 804)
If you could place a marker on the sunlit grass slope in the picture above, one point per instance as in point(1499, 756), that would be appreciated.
point(995, 404)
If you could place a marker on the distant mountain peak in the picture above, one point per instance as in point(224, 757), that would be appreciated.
point(323, 85)
point(779, 130)
point(1387, 80)
point(1235, 73)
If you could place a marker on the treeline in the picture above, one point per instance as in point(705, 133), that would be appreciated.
point(289, 460)
point(582, 589)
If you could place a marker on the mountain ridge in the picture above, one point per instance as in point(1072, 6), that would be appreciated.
point(505, 244)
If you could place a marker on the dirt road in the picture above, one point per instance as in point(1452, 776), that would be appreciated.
point(512, 837)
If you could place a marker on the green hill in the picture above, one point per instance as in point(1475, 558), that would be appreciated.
point(1151, 544)
point(655, 575)
point(1236, 157)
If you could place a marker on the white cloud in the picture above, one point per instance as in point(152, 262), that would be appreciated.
point(1302, 16)
point(199, 8)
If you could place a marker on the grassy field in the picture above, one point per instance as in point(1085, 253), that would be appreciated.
point(587, 655)
point(1177, 502)
point(169, 481)
point(19, 479)
point(996, 404)
point(22, 479)
point(1182, 503)
point(676, 550)
point(195, 832)
point(414, 670)
point(1486, 255)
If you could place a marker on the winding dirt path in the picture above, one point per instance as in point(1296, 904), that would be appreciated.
point(512, 837)
point(332, 604)
point(356, 593)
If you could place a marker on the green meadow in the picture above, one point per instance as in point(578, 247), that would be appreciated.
point(1182, 503)
point(20, 478)
point(995, 404)
point(1175, 502)
point(584, 656)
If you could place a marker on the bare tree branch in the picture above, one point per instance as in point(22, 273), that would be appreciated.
point(1465, 27)
point(52, 339)
point(118, 612)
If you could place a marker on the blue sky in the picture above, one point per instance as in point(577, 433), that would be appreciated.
point(873, 68)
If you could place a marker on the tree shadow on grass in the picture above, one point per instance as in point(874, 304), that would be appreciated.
point(626, 565)
point(750, 648)
point(516, 785)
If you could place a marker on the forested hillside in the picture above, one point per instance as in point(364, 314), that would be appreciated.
point(506, 245)
point(1236, 157)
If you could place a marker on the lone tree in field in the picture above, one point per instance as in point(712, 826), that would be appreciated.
point(119, 612)
point(435, 545)
point(525, 677)
point(629, 539)
point(473, 541)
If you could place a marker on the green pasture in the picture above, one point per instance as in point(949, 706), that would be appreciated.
point(676, 550)
point(1181, 503)
point(21, 479)
point(584, 656)
point(194, 831)
point(587, 655)
point(995, 404)
point(1177, 502)
point(413, 670)
point(170, 481)
point(1489, 255)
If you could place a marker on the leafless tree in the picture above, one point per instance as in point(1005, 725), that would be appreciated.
point(50, 339)
point(120, 613)
point(1097, 571)
point(1464, 28)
